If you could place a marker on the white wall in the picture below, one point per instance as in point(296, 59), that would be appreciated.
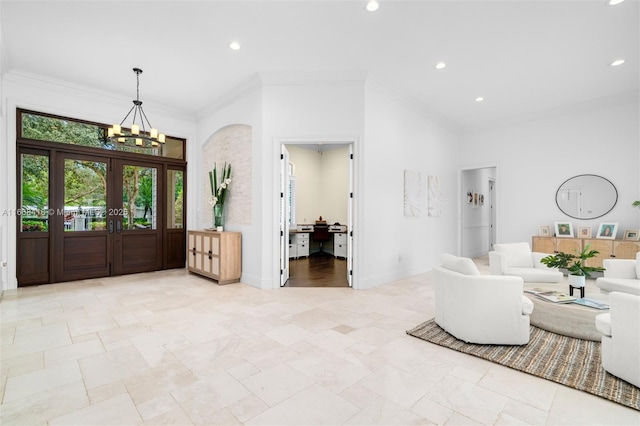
point(398, 138)
point(308, 183)
point(322, 183)
point(246, 109)
point(534, 158)
point(329, 110)
point(66, 99)
point(334, 188)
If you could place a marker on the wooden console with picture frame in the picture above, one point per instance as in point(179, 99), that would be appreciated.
point(561, 238)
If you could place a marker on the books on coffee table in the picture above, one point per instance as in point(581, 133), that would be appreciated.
point(551, 296)
point(559, 297)
point(591, 303)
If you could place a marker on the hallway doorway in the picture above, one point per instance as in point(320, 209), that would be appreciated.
point(478, 218)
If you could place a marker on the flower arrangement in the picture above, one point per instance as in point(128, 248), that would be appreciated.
point(219, 191)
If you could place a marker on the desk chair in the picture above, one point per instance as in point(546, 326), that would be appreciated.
point(321, 234)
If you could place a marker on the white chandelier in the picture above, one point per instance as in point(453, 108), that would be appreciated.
point(138, 133)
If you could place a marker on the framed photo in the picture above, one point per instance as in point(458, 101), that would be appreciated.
point(607, 230)
point(632, 234)
point(564, 229)
point(544, 230)
point(584, 232)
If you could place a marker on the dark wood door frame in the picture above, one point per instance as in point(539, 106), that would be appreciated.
point(171, 242)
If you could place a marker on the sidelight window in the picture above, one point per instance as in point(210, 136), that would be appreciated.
point(34, 205)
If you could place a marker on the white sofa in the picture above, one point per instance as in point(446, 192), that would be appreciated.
point(517, 259)
point(485, 309)
point(620, 330)
point(620, 275)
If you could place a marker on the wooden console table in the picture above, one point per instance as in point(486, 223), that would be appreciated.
point(619, 249)
point(216, 255)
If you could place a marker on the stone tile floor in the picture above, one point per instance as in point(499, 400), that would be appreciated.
point(173, 348)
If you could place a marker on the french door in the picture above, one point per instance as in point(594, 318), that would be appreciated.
point(107, 219)
point(101, 216)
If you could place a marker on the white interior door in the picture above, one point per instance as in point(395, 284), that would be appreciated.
point(285, 203)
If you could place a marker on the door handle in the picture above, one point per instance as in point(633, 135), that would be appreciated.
point(111, 226)
point(118, 226)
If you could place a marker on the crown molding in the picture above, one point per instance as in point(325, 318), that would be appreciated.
point(264, 79)
point(65, 87)
point(240, 91)
point(559, 111)
point(307, 78)
point(412, 104)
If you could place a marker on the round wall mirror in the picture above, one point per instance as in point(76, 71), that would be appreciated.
point(586, 197)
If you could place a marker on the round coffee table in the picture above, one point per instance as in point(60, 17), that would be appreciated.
point(568, 319)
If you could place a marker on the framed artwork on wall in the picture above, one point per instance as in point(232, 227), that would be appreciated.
point(632, 235)
point(435, 196)
point(564, 229)
point(412, 193)
point(584, 232)
point(607, 230)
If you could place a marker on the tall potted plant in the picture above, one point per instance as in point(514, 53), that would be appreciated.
point(574, 264)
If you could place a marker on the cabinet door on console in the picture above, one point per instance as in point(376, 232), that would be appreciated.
point(568, 245)
point(543, 245)
point(626, 249)
point(605, 247)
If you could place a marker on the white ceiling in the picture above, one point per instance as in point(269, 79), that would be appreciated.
point(523, 57)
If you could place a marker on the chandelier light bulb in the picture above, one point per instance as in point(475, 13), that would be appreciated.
point(617, 62)
point(440, 65)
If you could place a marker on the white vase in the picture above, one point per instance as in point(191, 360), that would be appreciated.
point(576, 280)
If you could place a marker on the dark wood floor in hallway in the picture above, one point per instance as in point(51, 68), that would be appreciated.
point(317, 271)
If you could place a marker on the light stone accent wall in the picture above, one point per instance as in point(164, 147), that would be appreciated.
point(231, 144)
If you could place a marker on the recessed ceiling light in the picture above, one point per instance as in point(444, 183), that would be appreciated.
point(479, 99)
point(614, 2)
point(617, 62)
point(234, 45)
point(440, 65)
point(372, 5)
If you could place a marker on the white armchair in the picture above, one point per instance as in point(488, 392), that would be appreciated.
point(620, 275)
point(483, 309)
point(518, 260)
point(620, 330)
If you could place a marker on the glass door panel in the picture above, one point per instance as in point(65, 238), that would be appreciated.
point(139, 197)
point(85, 195)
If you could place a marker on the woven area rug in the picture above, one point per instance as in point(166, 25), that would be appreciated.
point(572, 362)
